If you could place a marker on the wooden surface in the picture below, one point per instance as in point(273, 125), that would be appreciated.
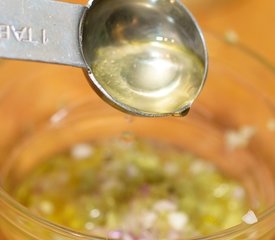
point(252, 20)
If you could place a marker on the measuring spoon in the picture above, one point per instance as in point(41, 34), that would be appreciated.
point(144, 57)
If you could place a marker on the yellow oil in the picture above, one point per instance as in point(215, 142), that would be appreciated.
point(154, 77)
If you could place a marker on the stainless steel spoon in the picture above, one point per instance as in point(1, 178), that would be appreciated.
point(144, 57)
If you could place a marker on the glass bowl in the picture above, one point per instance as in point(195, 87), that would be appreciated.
point(45, 109)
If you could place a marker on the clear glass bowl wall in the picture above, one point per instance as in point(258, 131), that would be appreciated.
point(47, 108)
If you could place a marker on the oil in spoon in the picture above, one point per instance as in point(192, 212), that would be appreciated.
point(154, 76)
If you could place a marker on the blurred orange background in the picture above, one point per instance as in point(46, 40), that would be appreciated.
point(42, 91)
point(252, 20)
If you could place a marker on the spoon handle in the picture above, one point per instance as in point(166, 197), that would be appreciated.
point(41, 30)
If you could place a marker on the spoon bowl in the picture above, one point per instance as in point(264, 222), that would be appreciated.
point(145, 57)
